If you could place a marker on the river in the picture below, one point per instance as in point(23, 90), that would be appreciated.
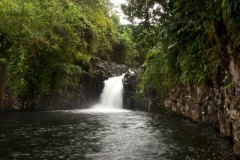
point(107, 132)
point(123, 135)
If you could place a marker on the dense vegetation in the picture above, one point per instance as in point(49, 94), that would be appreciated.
point(47, 44)
point(187, 42)
point(50, 43)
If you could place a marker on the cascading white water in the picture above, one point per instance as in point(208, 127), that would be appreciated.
point(111, 96)
point(111, 99)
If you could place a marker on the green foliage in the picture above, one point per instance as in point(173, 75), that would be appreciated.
point(157, 73)
point(51, 42)
point(185, 40)
point(124, 50)
point(126, 39)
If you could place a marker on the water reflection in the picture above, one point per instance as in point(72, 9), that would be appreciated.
point(97, 109)
point(49, 136)
point(186, 140)
point(92, 135)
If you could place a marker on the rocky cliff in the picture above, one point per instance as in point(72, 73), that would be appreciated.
point(72, 97)
point(218, 107)
point(133, 97)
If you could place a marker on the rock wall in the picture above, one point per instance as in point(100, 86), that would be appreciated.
point(83, 95)
point(219, 107)
point(88, 91)
point(216, 107)
point(133, 97)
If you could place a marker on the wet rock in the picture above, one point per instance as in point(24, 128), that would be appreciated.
point(134, 98)
point(234, 115)
point(219, 107)
point(81, 95)
point(236, 150)
point(108, 69)
point(215, 107)
point(131, 92)
point(236, 131)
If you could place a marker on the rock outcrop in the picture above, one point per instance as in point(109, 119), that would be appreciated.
point(219, 107)
point(133, 97)
point(82, 95)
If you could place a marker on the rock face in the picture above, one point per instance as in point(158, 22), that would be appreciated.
point(81, 96)
point(131, 94)
point(88, 92)
point(219, 107)
point(133, 97)
point(107, 69)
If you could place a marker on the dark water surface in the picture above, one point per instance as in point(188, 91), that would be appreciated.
point(83, 135)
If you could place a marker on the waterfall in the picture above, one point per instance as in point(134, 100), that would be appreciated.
point(111, 96)
point(111, 99)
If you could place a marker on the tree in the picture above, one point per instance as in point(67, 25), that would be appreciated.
point(198, 40)
point(49, 44)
